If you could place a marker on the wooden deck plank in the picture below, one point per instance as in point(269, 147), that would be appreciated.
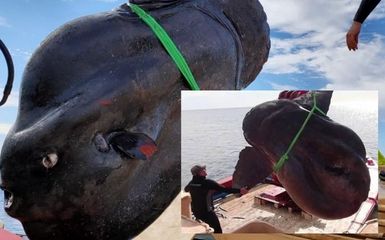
point(381, 222)
point(381, 207)
point(256, 237)
point(242, 210)
point(297, 237)
point(340, 236)
point(326, 237)
point(381, 211)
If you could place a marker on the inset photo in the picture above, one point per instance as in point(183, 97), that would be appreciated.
point(295, 161)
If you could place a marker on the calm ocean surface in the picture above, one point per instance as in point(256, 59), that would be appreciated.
point(215, 138)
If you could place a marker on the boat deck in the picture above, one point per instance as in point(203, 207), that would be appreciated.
point(239, 211)
point(297, 237)
point(381, 204)
point(236, 212)
point(381, 215)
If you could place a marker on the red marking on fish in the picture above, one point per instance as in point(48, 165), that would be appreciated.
point(148, 149)
point(105, 102)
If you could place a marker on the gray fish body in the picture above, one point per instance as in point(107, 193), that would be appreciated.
point(105, 74)
point(325, 173)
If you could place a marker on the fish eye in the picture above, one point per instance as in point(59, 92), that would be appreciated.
point(337, 170)
point(101, 143)
point(49, 160)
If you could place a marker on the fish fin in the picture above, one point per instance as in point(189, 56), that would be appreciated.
point(132, 145)
point(252, 168)
point(323, 99)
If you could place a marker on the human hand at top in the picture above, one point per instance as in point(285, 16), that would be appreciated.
point(352, 36)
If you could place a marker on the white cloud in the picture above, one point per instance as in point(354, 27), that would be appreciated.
point(26, 55)
point(303, 16)
point(291, 62)
point(4, 128)
point(277, 86)
point(318, 46)
point(3, 22)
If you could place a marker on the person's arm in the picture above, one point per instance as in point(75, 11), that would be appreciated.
point(212, 185)
point(366, 7)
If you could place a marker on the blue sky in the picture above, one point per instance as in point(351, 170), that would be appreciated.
point(309, 51)
point(308, 45)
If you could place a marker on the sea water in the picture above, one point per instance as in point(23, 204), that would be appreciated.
point(214, 137)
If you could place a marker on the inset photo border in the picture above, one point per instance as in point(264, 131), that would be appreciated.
point(234, 145)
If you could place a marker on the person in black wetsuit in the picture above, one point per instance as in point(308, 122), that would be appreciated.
point(201, 191)
point(366, 7)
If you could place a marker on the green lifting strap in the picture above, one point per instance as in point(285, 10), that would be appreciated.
point(381, 158)
point(285, 156)
point(168, 44)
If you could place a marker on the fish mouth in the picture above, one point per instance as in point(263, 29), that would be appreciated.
point(8, 198)
point(11, 202)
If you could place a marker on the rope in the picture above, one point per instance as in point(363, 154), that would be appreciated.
point(8, 86)
point(168, 44)
point(285, 156)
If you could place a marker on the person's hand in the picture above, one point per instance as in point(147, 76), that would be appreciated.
point(352, 36)
point(244, 190)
